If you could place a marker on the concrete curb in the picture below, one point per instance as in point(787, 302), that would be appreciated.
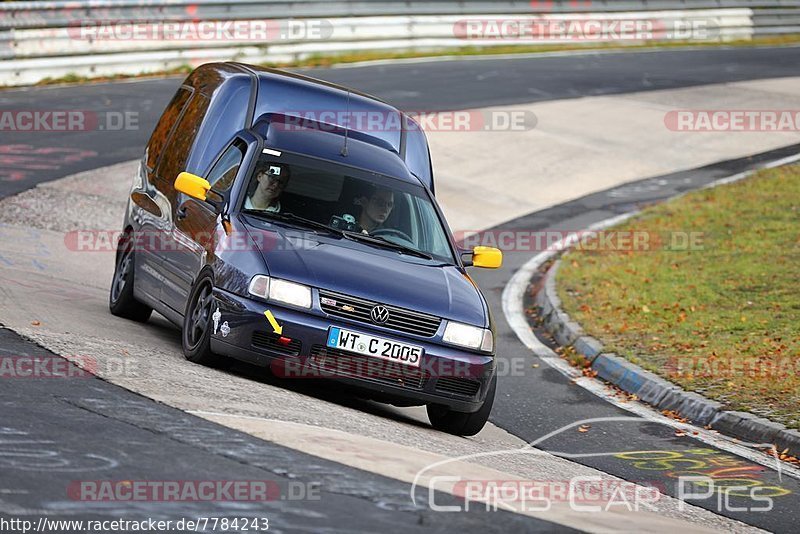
point(651, 388)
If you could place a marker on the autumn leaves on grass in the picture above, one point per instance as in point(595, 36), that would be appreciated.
point(722, 318)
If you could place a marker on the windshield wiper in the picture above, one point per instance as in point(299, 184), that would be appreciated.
point(292, 218)
point(381, 242)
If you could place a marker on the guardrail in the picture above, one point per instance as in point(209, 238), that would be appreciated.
point(108, 37)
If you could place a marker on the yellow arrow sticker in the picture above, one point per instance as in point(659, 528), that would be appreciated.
point(278, 329)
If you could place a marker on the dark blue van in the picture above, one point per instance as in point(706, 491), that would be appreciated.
point(292, 223)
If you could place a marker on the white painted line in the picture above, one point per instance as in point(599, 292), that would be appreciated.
point(436, 472)
point(514, 311)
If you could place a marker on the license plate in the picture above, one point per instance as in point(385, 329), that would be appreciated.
point(377, 347)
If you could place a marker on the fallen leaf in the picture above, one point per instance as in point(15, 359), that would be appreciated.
point(584, 428)
point(36, 323)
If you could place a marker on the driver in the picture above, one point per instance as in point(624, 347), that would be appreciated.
point(272, 180)
point(376, 206)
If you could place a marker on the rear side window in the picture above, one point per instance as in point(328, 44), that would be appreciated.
point(176, 152)
point(417, 155)
point(164, 127)
point(225, 116)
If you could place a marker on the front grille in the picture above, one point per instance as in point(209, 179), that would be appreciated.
point(400, 319)
point(458, 386)
point(267, 341)
point(341, 363)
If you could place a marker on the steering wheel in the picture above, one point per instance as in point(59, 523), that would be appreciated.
point(393, 232)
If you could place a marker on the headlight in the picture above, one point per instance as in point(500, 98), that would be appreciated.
point(468, 336)
point(280, 291)
point(290, 293)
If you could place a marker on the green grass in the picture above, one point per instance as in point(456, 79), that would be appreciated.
point(355, 57)
point(722, 320)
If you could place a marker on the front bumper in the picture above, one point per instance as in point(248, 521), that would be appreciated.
point(446, 376)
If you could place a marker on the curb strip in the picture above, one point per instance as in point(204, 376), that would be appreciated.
point(651, 388)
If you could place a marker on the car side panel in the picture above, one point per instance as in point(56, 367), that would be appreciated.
point(217, 110)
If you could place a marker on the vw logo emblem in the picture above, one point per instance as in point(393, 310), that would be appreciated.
point(379, 314)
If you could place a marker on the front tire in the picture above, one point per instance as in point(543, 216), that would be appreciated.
point(121, 301)
point(460, 423)
point(196, 331)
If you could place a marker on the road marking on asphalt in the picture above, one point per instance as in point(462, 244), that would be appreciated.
point(514, 311)
point(404, 463)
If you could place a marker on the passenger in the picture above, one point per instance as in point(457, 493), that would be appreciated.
point(376, 206)
point(271, 183)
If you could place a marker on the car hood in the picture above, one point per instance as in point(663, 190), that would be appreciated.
point(376, 274)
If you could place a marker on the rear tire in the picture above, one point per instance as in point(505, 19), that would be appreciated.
point(460, 423)
point(196, 331)
point(121, 301)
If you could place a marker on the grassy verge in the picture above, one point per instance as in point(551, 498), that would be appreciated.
point(722, 319)
point(357, 57)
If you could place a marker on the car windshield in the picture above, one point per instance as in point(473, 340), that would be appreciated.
point(370, 208)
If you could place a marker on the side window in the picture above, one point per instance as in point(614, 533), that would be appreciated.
point(417, 154)
point(162, 132)
point(225, 116)
point(224, 172)
point(177, 151)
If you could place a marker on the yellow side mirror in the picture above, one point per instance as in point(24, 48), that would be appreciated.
point(487, 257)
point(192, 185)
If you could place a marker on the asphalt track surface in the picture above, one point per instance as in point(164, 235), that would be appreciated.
point(53, 442)
point(529, 406)
point(28, 158)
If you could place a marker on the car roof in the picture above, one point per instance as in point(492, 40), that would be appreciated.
point(394, 139)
